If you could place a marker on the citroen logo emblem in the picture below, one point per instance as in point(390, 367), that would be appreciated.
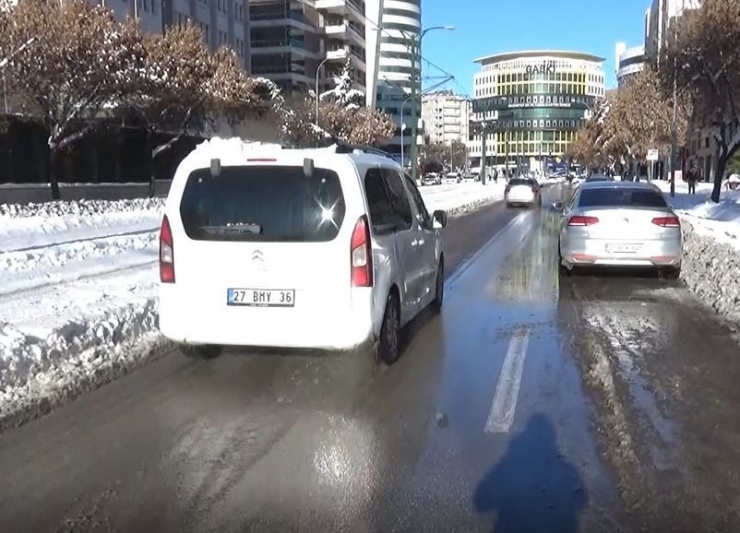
point(257, 257)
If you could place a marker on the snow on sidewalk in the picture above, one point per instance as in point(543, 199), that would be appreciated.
point(78, 292)
point(711, 259)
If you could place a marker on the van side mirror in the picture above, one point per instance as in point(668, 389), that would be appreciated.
point(558, 206)
point(440, 219)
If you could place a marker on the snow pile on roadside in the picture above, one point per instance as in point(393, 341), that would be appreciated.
point(460, 198)
point(711, 259)
point(57, 341)
point(710, 269)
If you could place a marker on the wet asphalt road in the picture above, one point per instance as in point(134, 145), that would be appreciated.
point(532, 404)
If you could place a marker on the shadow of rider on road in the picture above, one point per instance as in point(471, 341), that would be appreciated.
point(533, 489)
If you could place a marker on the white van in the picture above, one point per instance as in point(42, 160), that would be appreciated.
point(296, 249)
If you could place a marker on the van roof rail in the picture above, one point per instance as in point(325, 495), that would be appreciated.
point(345, 148)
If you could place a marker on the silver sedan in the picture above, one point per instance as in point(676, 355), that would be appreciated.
point(621, 224)
point(522, 191)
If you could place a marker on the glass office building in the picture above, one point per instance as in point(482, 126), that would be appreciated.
point(531, 104)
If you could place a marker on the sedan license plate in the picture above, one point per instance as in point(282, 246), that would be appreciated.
point(261, 297)
point(623, 248)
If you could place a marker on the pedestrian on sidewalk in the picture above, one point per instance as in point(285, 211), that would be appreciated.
point(692, 177)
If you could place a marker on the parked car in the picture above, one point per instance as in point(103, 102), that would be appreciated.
point(452, 177)
point(522, 192)
point(296, 249)
point(598, 177)
point(619, 224)
point(431, 179)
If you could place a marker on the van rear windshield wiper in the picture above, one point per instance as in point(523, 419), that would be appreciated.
point(232, 229)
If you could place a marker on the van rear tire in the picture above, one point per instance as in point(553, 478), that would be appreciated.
point(387, 347)
point(439, 286)
point(200, 351)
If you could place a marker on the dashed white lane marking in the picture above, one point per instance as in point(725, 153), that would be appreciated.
point(503, 408)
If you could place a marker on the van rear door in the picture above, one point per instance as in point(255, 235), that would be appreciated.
point(264, 249)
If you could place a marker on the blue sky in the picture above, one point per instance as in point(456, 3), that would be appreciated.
point(485, 27)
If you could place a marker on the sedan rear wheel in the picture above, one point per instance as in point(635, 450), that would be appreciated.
point(672, 273)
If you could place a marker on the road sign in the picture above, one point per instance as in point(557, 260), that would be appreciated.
point(653, 155)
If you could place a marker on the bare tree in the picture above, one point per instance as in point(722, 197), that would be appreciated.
point(79, 66)
point(454, 154)
point(703, 60)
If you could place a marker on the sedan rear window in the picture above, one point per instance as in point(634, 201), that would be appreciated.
point(619, 197)
point(263, 204)
point(521, 181)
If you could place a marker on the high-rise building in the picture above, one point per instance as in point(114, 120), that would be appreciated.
point(629, 61)
point(660, 16)
point(531, 104)
point(398, 67)
point(446, 117)
point(294, 40)
point(285, 42)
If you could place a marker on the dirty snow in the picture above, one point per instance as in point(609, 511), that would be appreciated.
point(78, 285)
point(711, 245)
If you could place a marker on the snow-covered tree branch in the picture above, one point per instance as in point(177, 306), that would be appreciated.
point(340, 119)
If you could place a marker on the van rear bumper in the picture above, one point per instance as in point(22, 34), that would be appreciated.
point(182, 321)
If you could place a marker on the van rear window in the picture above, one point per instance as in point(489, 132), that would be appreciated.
point(262, 204)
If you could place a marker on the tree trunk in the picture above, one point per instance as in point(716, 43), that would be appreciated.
point(53, 175)
point(719, 171)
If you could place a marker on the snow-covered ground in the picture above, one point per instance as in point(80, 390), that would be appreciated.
point(78, 292)
point(711, 245)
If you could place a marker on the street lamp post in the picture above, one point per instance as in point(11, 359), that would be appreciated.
point(413, 44)
point(318, 71)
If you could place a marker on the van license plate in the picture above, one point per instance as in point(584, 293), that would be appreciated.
point(261, 297)
point(623, 248)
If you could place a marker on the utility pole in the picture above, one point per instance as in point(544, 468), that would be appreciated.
point(483, 162)
point(413, 152)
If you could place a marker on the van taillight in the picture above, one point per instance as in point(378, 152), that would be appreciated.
point(166, 253)
point(361, 254)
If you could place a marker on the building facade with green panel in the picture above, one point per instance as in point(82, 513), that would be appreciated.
point(530, 105)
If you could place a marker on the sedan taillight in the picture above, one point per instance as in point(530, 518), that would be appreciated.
point(578, 220)
point(667, 222)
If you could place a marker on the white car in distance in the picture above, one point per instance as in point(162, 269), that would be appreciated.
point(296, 249)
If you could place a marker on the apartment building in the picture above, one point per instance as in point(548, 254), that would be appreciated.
point(224, 22)
point(294, 40)
point(446, 117)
